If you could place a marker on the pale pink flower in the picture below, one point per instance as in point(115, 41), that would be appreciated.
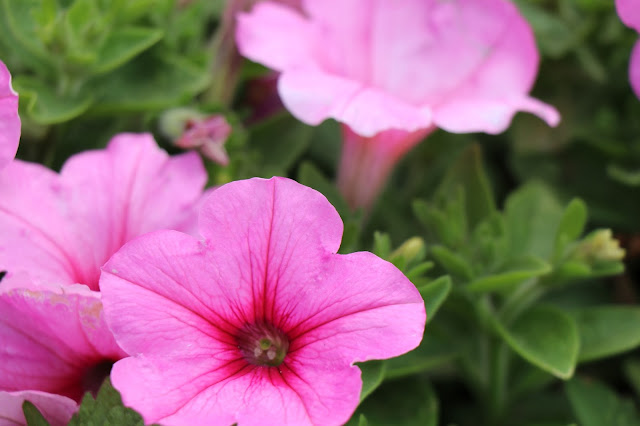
point(54, 339)
point(629, 12)
point(259, 323)
point(56, 409)
point(406, 66)
point(208, 134)
point(9, 119)
point(61, 228)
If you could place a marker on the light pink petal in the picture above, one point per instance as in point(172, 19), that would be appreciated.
point(56, 409)
point(52, 336)
point(489, 115)
point(276, 36)
point(313, 96)
point(63, 228)
point(34, 226)
point(634, 69)
point(489, 97)
point(130, 188)
point(629, 12)
point(9, 119)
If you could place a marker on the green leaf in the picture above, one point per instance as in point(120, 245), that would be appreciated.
point(434, 295)
point(280, 141)
point(574, 219)
point(452, 262)
point(432, 352)
point(372, 376)
point(530, 214)
point(310, 176)
point(607, 330)
point(546, 337)
point(632, 371)
point(362, 421)
point(596, 405)
point(19, 29)
point(381, 244)
point(44, 106)
point(468, 173)
point(105, 410)
point(33, 416)
point(153, 81)
point(124, 44)
point(514, 273)
point(407, 402)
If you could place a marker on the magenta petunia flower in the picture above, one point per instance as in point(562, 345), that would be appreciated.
point(260, 323)
point(629, 12)
point(61, 228)
point(392, 71)
point(56, 409)
point(9, 119)
point(54, 339)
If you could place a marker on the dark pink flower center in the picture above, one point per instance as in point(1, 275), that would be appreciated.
point(94, 376)
point(262, 344)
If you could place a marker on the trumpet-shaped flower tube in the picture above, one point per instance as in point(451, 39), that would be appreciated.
point(61, 228)
point(261, 322)
point(629, 12)
point(9, 119)
point(406, 66)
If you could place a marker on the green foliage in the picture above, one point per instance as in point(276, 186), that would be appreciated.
point(595, 405)
point(607, 330)
point(105, 410)
point(33, 416)
point(546, 337)
point(87, 57)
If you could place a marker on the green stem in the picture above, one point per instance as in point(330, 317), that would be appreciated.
point(521, 299)
point(498, 381)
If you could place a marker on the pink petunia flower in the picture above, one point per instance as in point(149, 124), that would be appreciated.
point(54, 339)
point(393, 71)
point(9, 119)
point(61, 228)
point(629, 12)
point(56, 409)
point(260, 323)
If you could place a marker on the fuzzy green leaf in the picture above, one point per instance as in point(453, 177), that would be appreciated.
point(546, 337)
point(33, 416)
point(105, 410)
point(596, 405)
point(607, 330)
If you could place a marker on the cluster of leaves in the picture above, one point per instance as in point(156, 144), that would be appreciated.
point(94, 57)
point(513, 316)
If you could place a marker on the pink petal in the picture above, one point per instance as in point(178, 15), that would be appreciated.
point(35, 230)
point(391, 65)
point(365, 306)
point(634, 69)
point(51, 337)
point(487, 98)
point(313, 96)
point(265, 35)
point(193, 392)
point(56, 409)
point(9, 119)
point(629, 12)
point(63, 228)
